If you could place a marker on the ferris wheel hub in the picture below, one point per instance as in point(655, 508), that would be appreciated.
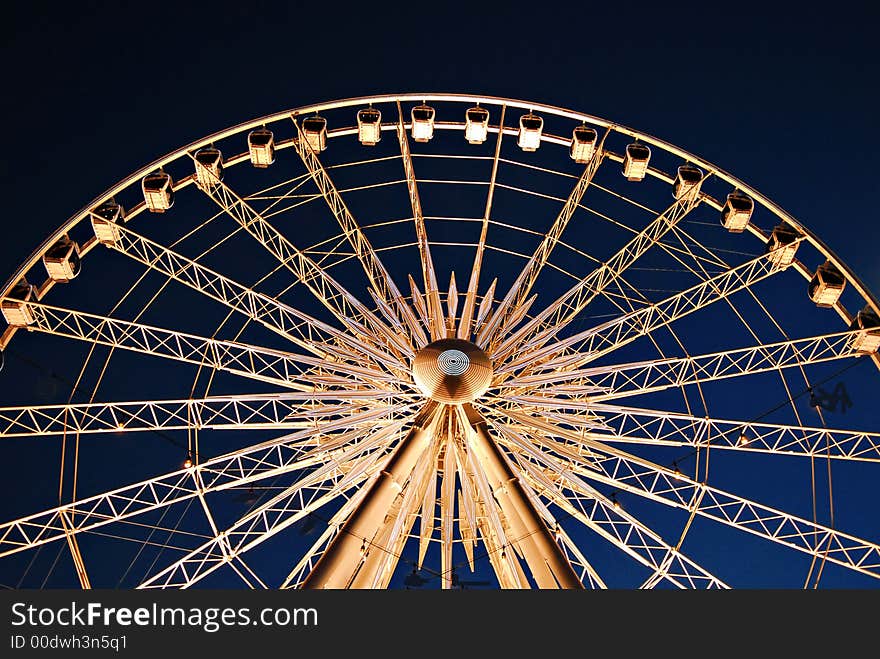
point(452, 371)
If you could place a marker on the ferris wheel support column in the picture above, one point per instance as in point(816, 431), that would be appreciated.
point(339, 564)
point(548, 564)
point(75, 553)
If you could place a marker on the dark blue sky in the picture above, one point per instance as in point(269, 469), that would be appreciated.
point(782, 99)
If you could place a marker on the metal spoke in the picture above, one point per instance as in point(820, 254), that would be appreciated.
point(632, 425)
point(300, 499)
point(638, 378)
point(633, 474)
point(273, 366)
point(578, 499)
point(246, 412)
point(610, 336)
point(505, 316)
point(256, 462)
point(341, 303)
point(569, 305)
point(305, 331)
point(447, 513)
point(380, 279)
point(429, 275)
point(587, 573)
point(468, 500)
point(470, 300)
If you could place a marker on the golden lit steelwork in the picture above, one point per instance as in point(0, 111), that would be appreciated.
point(452, 371)
point(490, 427)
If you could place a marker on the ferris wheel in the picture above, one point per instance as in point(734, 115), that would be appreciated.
point(406, 340)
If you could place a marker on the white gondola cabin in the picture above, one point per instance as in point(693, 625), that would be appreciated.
point(583, 144)
point(62, 260)
point(476, 125)
point(422, 123)
point(737, 212)
point(106, 220)
point(15, 308)
point(530, 129)
point(209, 167)
point(782, 245)
point(635, 161)
point(314, 129)
point(158, 191)
point(827, 285)
point(261, 147)
point(369, 126)
point(687, 182)
point(867, 340)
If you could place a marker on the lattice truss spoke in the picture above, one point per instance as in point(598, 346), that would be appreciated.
point(405, 433)
point(567, 307)
point(280, 368)
point(344, 306)
point(382, 284)
point(303, 330)
point(593, 343)
point(553, 479)
point(632, 379)
point(216, 413)
point(599, 462)
point(260, 461)
point(633, 425)
point(332, 480)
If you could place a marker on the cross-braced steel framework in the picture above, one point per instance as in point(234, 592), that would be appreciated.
point(616, 319)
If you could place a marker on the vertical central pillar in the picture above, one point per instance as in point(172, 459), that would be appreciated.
point(548, 565)
point(339, 564)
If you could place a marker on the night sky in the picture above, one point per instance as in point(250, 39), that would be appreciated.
point(783, 99)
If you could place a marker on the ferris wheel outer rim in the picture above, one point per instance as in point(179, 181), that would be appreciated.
point(866, 294)
point(186, 151)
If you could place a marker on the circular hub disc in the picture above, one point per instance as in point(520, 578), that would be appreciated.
point(452, 371)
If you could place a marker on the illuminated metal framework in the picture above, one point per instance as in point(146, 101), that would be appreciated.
point(328, 425)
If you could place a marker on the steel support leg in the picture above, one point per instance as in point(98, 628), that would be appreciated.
point(339, 565)
point(549, 566)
